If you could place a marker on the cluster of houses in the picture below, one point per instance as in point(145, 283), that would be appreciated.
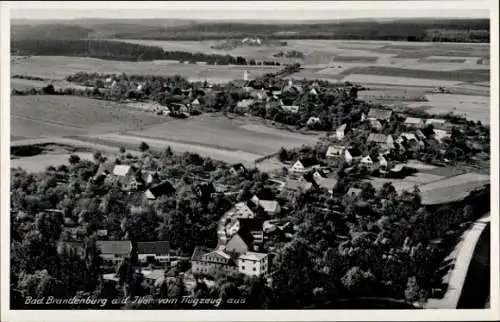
point(240, 239)
point(385, 143)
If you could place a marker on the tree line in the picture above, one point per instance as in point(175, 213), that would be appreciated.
point(122, 51)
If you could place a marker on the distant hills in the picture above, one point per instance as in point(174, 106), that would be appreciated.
point(446, 30)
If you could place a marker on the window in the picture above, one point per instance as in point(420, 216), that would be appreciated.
point(243, 267)
point(254, 269)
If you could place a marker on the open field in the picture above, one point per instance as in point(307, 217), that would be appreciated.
point(452, 188)
point(473, 107)
point(40, 162)
point(57, 67)
point(223, 133)
point(113, 124)
point(38, 116)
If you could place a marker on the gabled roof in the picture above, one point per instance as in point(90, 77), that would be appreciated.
point(241, 239)
point(119, 247)
point(163, 188)
point(435, 121)
point(328, 183)
point(367, 159)
point(269, 205)
point(121, 170)
point(296, 185)
point(342, 127)
point(355, 152)
point(413, 120)
point(377, 138)
point(379, 114)
point(198, 253)
point(308, 162)
point(334, 149)
point(155, 247)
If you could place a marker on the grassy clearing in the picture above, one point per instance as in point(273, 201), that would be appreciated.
point(34, 116)
point(473, 107)
point(223, 133)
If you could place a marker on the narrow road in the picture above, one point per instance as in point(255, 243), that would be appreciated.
point(463, 271)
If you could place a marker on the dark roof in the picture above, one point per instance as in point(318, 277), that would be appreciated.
point(250, 224)
point(162, 188)
point(355, 152)
point(308, 162)
point(122, 247)
point(156, 247)
point(198, 253)
point(240, 83)
point(379, 114)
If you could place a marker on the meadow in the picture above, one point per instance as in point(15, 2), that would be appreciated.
point(49, 116)
point(93, 122)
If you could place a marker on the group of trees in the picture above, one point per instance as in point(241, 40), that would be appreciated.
point(45, 205)
point(378, 244)
point(116, 50)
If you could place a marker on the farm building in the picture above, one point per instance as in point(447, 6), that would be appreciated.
point(383, 141)
point(379, 114)
point(440, 124)
point(414, 122)
point(334, 151)
point(303, 165)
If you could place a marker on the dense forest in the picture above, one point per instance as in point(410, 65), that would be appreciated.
point(116, 50)
point(447, 30)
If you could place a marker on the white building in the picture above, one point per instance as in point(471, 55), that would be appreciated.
point(340, 132)
point(253, 264)
point(367, 162)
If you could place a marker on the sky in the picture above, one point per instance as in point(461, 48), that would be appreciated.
point(248, 10)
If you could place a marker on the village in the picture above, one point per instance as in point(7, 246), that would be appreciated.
point(374, 142)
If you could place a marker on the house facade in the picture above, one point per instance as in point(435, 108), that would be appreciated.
point(153, 251)
point(205, 261)
point(253, 264)
point(114, 251)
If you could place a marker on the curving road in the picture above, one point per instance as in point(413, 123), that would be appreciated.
point(467, 279)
